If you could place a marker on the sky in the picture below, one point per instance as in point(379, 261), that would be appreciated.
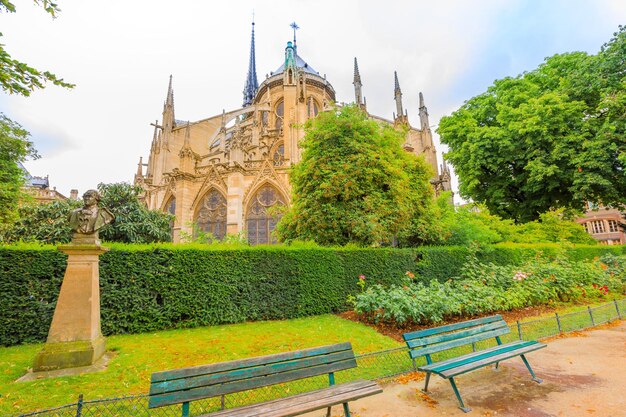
point(120, 55)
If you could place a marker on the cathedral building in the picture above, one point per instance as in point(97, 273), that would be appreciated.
point(223, 174)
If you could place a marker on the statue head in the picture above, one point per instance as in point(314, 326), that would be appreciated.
point(91, 198)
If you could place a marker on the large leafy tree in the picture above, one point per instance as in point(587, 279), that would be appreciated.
point(15, 145)
point(355, 184)
point(134, 223)
point(17, 77)
point(554, 137)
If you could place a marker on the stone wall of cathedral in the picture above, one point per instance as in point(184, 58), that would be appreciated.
point(228, 173)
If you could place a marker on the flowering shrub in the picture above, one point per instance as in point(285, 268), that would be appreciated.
point(484, 288)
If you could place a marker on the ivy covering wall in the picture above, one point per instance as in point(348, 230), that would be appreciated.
point(148, 288)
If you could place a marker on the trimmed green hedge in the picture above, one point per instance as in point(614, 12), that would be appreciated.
point(147, 288)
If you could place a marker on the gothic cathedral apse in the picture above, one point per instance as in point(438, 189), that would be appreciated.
point(225, 173)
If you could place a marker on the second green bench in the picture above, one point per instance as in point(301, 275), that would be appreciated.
point(438, 339)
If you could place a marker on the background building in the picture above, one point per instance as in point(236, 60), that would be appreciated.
point(226, 172)
point(604, 224)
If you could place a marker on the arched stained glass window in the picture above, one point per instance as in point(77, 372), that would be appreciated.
point(259, 223)
point(170, 208)
point(280, 113)
point(312, 109)
point(211, 214)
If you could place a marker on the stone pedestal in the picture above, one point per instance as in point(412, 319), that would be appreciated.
point(75, 338)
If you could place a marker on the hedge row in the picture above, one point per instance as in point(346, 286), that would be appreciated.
point(147, 288)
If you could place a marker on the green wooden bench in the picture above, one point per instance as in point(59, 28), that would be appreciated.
point(427, 342)
point(189, 384)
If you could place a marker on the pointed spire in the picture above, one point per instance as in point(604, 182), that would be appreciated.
point(187, 134)
point(423, 112)
point(140, 167)
point(252, 84)
point(398, 95)
point(169, 101)
point(168, 107)
point(357, 84)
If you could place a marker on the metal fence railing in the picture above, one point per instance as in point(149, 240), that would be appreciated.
point(376, 365)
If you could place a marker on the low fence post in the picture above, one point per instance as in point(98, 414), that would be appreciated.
point(558, 322)
point(619, 314)
point(593, 323)
point(519, 330)
point(79, 406)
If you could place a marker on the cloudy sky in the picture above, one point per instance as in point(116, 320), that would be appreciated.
point(120, 55)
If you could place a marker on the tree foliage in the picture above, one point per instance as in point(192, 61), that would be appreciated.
point(355, 184)
point(134, 223)
point(474, 223)
point(15, 147)
point(16, 77)
point(554, 137)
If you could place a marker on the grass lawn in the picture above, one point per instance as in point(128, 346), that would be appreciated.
point(138, 356)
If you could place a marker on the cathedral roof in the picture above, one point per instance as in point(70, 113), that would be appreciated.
point(300, 63)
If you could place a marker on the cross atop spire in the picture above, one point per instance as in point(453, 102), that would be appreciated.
point(295, 27)
point(252, 85)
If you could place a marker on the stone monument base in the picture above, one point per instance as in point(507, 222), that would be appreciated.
point(62, 355)
point(74, 338)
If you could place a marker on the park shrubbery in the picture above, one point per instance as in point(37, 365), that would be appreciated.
point(154, 287)
point(487, 287)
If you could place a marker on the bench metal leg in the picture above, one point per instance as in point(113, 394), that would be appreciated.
point(328, 412)
point(458, 397)
point(346, 410)
point(537, 380)
point(426, 384)
point(185, 409)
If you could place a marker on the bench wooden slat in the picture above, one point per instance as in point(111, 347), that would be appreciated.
point(457, 342)
point(237, 374)
point(465, 359)
point(249, 362)
point(470, 355)
point(451, 327)
point(303, 403)
point(440, 338)
point(493, 359)
point(176, 397)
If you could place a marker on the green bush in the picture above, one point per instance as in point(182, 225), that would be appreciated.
point(154, 287)
point(487, 287)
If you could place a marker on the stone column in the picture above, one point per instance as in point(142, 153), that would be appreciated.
point(75, 338)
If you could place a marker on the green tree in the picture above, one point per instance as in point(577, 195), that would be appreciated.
point(15, 147)
point(17, 77)
point(44, 223)
point(355, 184)
point(134, 223)
point(550, 138)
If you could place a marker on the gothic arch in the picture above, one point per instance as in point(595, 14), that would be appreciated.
point(259, 219)
point(210, 213)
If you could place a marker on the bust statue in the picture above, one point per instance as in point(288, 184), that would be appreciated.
point(86, 221)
